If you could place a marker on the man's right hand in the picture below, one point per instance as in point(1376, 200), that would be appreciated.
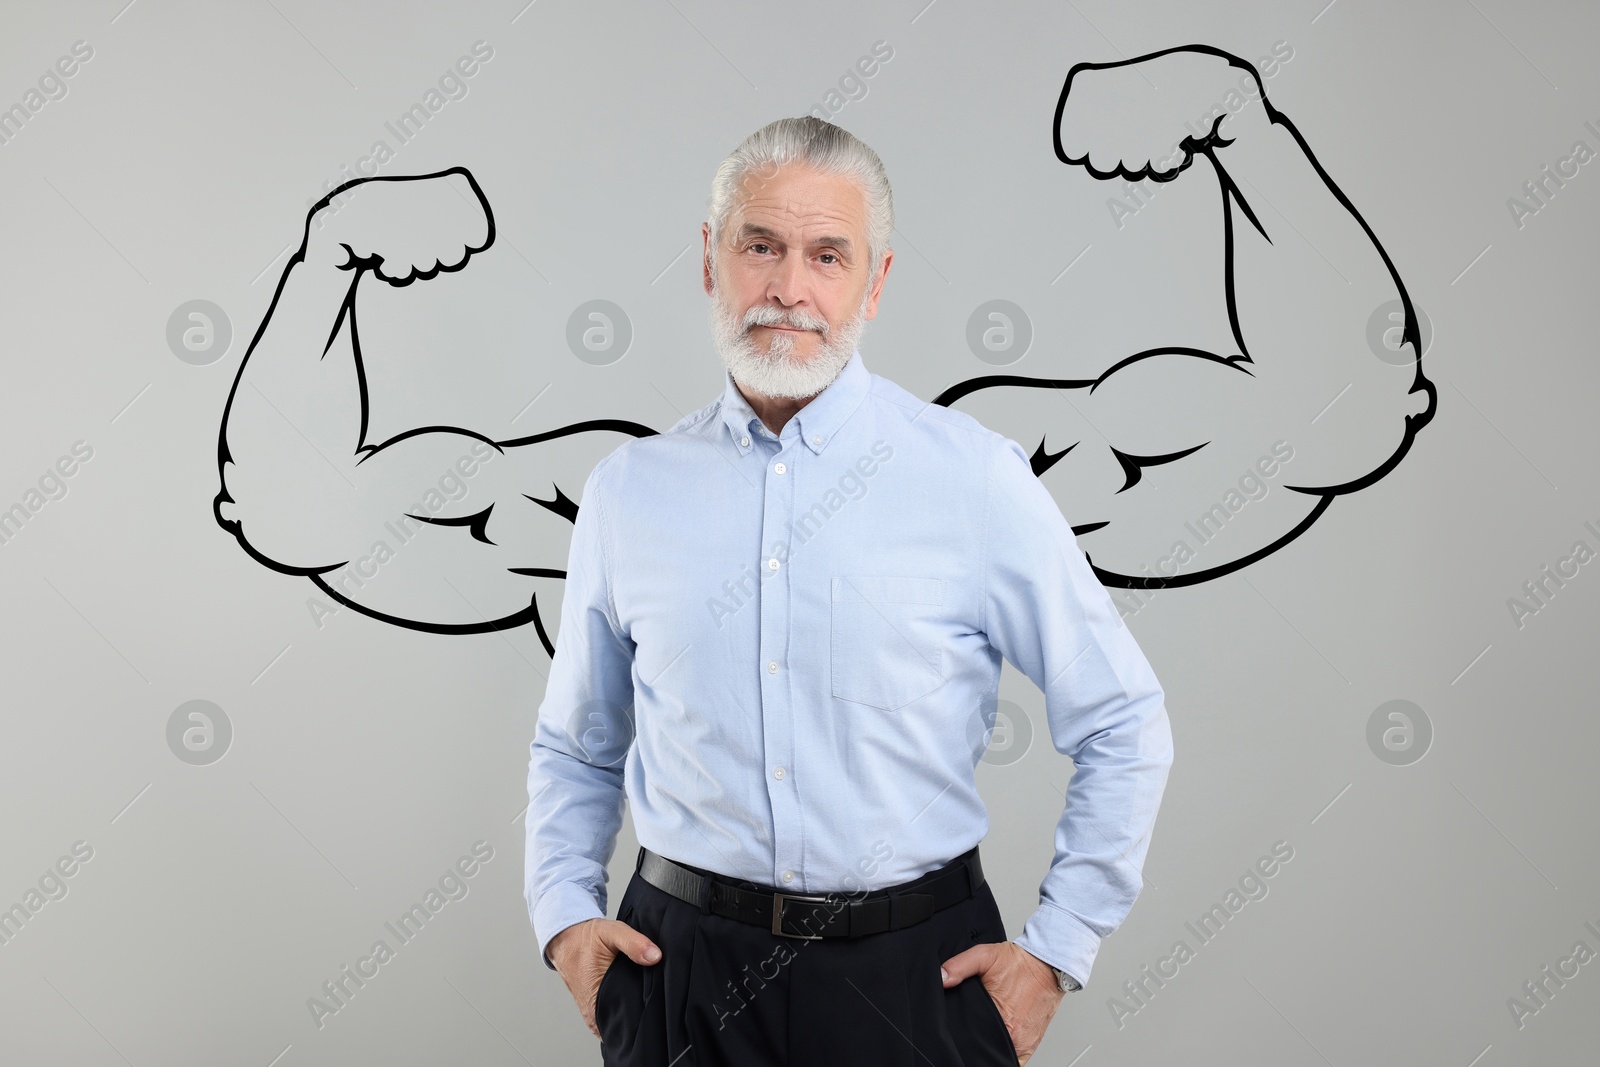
point(583, 952)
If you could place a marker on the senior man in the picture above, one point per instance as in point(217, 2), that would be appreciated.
point(781, 642)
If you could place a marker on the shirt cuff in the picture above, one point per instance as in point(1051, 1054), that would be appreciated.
point(561, 906)
point(1060, 939)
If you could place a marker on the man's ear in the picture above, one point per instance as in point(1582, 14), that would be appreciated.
point(705, 256)
point(877, 286)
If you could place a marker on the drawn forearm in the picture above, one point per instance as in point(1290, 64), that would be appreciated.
point(1299, 267)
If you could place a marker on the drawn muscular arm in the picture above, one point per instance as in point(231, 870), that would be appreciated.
point(437, 528)
point(1143, 449)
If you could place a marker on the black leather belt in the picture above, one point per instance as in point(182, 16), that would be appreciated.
point(812, 916)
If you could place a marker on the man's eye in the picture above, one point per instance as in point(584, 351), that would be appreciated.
point(758, 247)
point(831, 256)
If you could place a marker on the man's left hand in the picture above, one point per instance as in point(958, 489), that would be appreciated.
point(1023, 986)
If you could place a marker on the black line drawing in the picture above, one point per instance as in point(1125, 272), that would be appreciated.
point(305, 493)
point(1133, 457)
point(1201, 417)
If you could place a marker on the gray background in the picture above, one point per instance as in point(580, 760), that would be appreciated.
point(365, 758)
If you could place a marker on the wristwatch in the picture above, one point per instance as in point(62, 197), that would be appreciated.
point(1067, 983)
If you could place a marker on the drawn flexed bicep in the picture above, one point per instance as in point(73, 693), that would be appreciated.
point(438, 527)
point(1160, 455)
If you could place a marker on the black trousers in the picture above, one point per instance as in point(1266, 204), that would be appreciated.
point(729, 994)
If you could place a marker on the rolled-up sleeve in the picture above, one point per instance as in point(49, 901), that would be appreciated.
point(1049, 616)
point(584, 729)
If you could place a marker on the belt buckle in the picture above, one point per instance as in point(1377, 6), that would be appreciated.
point(777, 914)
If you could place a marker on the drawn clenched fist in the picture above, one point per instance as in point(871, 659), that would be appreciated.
point(403, 228)
point(1146, 117)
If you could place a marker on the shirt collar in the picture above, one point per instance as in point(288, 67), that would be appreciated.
point(818, 421)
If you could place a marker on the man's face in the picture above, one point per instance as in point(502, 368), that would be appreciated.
point(789, 287)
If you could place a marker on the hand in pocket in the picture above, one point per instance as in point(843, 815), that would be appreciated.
point(585, 951)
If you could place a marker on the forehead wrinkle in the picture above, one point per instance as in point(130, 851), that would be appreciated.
point(804, 201)
point(815, 226)
point(804, 210)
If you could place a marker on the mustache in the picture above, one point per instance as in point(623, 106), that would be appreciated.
point(767, 315)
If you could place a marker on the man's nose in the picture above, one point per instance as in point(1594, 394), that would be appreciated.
point(788, 283)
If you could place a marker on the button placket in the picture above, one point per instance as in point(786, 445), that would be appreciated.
point(775, 643)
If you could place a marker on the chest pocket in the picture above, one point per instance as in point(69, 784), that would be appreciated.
point(885, 648)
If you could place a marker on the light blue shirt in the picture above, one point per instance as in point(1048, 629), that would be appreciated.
point(785, 653)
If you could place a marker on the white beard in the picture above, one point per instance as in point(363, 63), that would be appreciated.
point(779, 372)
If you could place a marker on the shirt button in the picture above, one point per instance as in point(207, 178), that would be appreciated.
point(816, 440)
point(779, 468)
point(772, 564)
point(772, 668)
point(788, 876)
point(778, 774)
point(744, 442)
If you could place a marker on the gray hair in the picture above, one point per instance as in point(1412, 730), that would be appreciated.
point(817, 143)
